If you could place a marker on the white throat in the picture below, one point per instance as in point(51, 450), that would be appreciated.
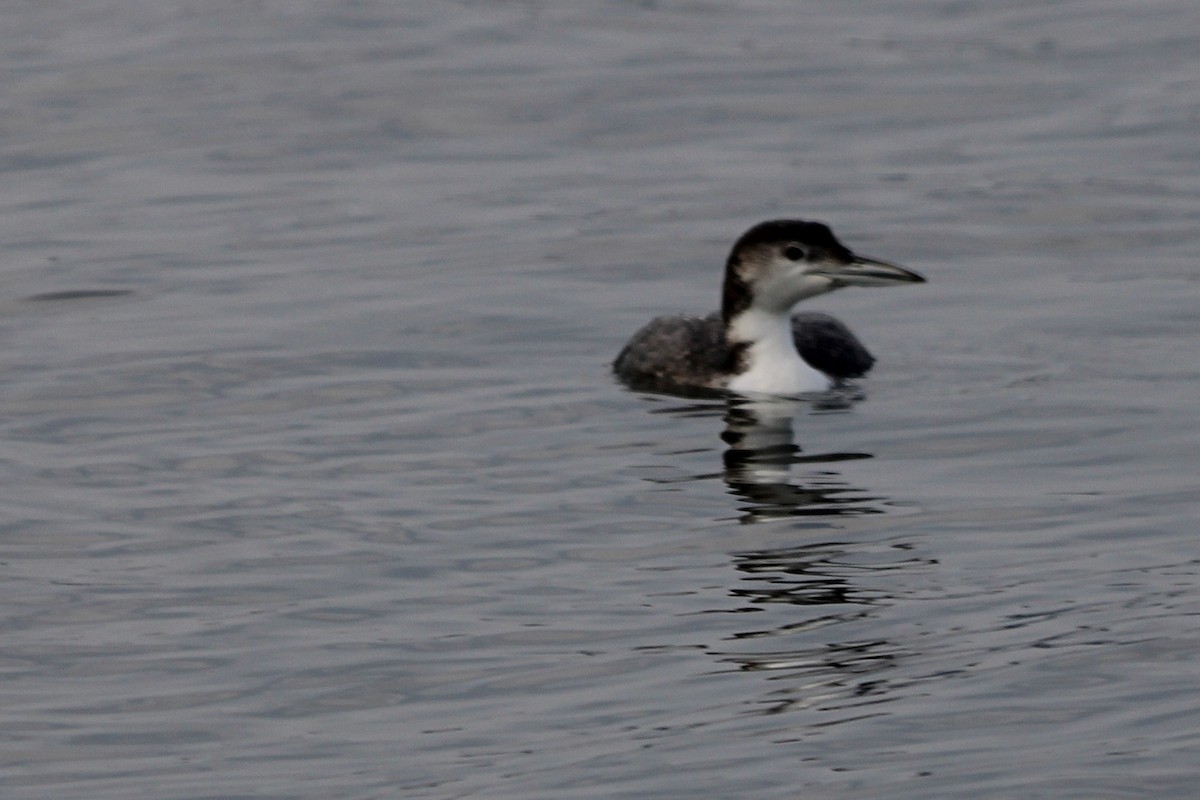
point(772, 364)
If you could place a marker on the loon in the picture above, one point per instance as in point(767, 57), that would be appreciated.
point(754, 345)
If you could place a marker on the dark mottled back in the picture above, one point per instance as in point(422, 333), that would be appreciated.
point(679, 355)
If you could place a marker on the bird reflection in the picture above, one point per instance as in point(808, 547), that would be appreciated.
point(821, 646)
point(761, 453)
point(824, 586)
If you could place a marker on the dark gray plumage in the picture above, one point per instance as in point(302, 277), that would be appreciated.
point(827, 344)
point(690, 355)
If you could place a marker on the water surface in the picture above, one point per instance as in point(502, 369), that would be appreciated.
point(318, 485)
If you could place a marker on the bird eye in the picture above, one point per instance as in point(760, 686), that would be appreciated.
point(793, 253)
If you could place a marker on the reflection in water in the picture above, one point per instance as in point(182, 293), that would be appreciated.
point(806, 575)
point(758, 466)
point(820, 586)
point(823, 585)
point(817, 642)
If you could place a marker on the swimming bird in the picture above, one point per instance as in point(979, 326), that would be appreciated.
point(754, 345)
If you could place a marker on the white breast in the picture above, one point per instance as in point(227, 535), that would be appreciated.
point(772, 364)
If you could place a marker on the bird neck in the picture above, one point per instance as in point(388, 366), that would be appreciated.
point(770, 363)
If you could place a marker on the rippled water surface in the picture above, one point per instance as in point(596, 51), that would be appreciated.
point(318, 485)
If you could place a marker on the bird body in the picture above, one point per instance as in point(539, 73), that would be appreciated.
point(754, 345)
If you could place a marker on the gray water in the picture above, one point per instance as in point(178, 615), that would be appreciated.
point(317, 485)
